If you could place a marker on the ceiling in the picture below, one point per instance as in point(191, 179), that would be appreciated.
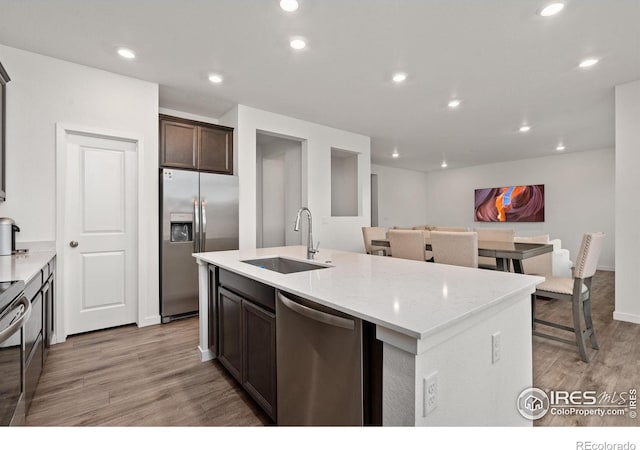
point(505, 62)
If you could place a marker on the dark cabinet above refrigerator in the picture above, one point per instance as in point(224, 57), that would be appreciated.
point(192, 145)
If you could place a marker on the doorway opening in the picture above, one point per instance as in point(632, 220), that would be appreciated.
point(279, 189)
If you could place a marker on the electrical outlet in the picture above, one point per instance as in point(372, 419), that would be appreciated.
point(430, 389)
point(496, 347)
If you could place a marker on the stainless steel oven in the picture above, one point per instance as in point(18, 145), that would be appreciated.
point(15, 309)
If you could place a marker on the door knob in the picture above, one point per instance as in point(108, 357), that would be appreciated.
point(73, 244)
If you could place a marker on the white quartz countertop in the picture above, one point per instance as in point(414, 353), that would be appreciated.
point(411, 297)
point(24, 266)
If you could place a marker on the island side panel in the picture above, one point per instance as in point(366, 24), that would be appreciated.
point(470, 389)
point(203, 281)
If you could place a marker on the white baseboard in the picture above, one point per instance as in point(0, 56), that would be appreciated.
point(151, 320)
point(206, 355)
point(607, 268)
point(626, 317)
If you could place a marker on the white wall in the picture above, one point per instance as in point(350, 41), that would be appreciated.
point(627, 203)
point(342, 233)
point(44, 91)
point(279, 181)
point(402, 197)
point(187, 115)
point(579, 196)
point(344, 183)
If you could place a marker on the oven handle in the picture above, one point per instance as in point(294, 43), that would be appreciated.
point(15, 326)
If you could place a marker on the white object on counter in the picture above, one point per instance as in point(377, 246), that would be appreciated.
point(430, 317)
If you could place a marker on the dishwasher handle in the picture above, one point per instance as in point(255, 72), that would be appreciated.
point(16, 324)
point(316, 315)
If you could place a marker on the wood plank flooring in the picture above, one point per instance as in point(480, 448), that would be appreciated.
point(152, 376)
point(140, 377)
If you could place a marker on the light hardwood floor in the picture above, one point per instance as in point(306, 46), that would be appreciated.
point(138, 376)
point(152, 376)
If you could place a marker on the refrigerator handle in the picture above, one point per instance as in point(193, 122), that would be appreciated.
point(196, 227)
point(203, 246)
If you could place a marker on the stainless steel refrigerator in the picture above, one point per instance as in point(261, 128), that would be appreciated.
point(199, 214)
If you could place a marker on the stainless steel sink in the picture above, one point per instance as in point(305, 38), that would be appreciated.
point(283, 265)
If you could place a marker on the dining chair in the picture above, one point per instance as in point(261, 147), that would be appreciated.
point(407, 244)
point(537, 265)
point(456, 229)
point(576, 290)
point(458, 248)
point(427, 240)
point(493, 234)
point(371, 233)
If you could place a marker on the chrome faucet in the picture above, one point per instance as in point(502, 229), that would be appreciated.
point(296, 227)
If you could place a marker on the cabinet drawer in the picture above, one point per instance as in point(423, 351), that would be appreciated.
point(33, 327)
point(33, 369)
point(33, 286)
point(257, 292)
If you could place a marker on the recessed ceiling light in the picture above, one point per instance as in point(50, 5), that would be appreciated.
point(126, 53)
point(289, 5)
point(297, 44)
point(589, 62)
point(215, 78)
point(454, 103)
point(395, 154)
point(552, 9)
point(525, 129)
point(399, 77)
point(560, 147)
point(444, 164)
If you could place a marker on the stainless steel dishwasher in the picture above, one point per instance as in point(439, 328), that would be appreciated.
point(319, 370)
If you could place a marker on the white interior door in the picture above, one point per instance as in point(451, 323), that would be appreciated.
point(100, 231)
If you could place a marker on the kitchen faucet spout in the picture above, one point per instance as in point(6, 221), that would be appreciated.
point(296, 227)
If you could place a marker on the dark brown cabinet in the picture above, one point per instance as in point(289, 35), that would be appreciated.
point(247, 336)
point(48, 296)
point(216, 150)
point(259, 350)
point(178, 144)
point(187, 144)
point(39, 328)
point(230, 325)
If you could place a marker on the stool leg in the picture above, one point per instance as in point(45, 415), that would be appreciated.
point(587, 316)
point(578, 313)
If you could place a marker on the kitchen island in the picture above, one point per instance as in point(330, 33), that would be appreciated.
point(456, 341)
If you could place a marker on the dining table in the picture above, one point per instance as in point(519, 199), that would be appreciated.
point(503, 252)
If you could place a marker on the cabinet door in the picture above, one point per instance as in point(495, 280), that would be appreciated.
point(33, 370)
point(213, 309)
point(259, 349)
point(178, 145)
point(216, 150)
point(47, 294)
point(33, 327)
point(230, 332)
